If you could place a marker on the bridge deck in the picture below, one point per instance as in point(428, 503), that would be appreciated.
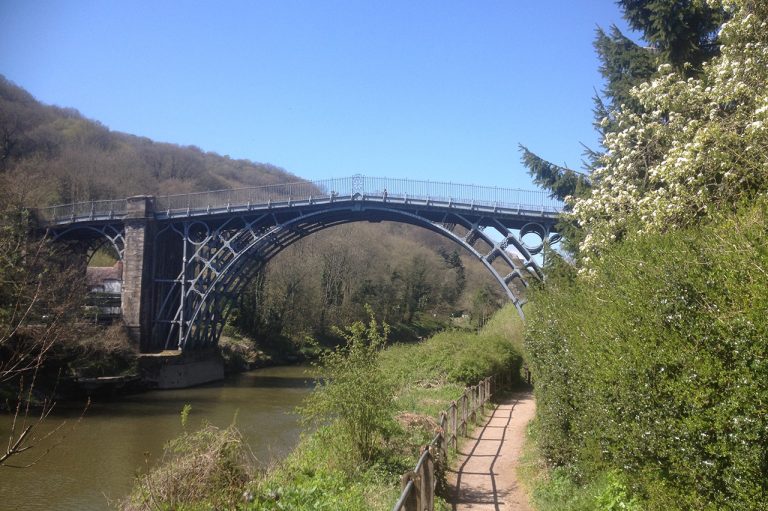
point(499, 201)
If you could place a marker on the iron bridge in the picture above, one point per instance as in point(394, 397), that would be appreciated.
point(186, 257)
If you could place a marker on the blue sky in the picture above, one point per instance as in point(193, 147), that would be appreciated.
point(430, 90)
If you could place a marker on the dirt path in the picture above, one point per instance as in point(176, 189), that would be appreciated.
point(484, 478)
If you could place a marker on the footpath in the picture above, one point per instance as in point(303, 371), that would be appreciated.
point(485, 476)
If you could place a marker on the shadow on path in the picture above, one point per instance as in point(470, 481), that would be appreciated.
point(480, 483)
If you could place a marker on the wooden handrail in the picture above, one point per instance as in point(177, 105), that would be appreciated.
point(418, 485)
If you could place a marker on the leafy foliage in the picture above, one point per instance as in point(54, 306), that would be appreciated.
point(312, 490)
point(649, 361)
point(656, 365)
point(682, 37)
point(624, 64)
point(558, 490)
point(460, 357)
point(414, 279)
point(560, 181)
point(354, 390)
point(684, 33)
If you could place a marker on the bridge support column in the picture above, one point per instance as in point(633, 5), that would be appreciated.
point(137, 268)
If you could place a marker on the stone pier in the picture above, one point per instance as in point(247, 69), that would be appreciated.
point(173, 369)
point(137, 285)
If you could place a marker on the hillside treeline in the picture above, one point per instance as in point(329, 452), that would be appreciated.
point(51, 155)
point(649, 344)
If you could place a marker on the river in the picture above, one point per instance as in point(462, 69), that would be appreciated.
point(96, 461)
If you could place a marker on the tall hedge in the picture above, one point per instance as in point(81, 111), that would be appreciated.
point(656, 365)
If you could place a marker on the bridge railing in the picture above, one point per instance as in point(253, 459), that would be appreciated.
point(363, 186)
point(90, 210)
point(466, 193)
point(242, 196)
point(328, 189)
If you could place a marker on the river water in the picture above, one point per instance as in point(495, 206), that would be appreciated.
point(96, 461)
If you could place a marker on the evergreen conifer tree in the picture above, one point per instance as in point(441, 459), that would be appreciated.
point(683, 32)
point(680, 33)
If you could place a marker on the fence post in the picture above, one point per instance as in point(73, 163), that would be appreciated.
point(428, 482)
point(454, 420)
point(444, 429)
point(464, 414)
point(469, 410)
point(412, 501)
point(478, 390)
point(473, 403)
point(472, 397)
point(480, 397)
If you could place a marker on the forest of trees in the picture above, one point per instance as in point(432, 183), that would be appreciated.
point(402, 272)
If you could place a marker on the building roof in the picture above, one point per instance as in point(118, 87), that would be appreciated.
point(97, 275)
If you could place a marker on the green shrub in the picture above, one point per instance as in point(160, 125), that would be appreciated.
point(315, 491)
point(656, 366)
point(560, 489)
point(354, 390)
point(561, 492)
point(204, 469)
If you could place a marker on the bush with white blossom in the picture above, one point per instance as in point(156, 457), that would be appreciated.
point(696, 144)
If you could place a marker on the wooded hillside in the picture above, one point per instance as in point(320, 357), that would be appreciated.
point(50, 154)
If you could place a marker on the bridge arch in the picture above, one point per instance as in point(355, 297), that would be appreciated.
point(92, 238)
point(244, 245)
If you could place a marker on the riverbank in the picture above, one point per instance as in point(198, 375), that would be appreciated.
point(104, 363)
point(322, 472)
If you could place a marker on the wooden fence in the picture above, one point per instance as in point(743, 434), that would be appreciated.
point(419, 484)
